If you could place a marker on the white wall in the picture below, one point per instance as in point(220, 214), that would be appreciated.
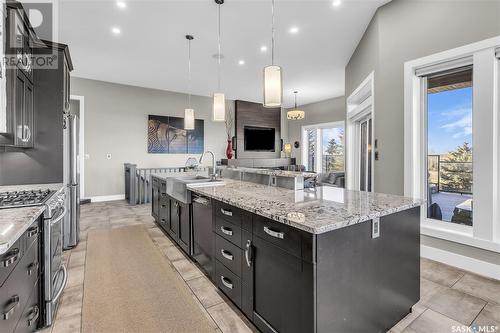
point(116, 123)
point(326, 111)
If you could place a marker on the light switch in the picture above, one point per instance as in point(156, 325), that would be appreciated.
point(86, 156)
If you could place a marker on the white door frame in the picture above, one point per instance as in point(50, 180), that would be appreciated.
point(360, 106)
point(81, 100)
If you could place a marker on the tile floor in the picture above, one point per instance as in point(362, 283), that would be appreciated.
point(451, 299)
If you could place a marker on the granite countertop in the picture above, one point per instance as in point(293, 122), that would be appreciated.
point(271, 172)
point(316, 210)
point(15, 221)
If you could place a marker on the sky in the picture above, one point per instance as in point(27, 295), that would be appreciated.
point(449, 122)
point(331, 133)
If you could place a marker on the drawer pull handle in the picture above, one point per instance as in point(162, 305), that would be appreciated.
point(11, 258)
point(226, 282)
point(163, 206)
point(35, 313)
point(32, 267)
point(32, 232)
point(11, 308)
point(273, 233)
point(226, 231)
point(248, 253)
point(227, 254)
point(226, 212)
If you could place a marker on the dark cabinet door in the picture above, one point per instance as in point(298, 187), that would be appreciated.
point(22, 106)
point(283, 290)
point(184, 227)
point(155, 202)
point(173, 223)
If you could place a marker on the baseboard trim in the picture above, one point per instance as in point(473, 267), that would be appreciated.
point(103, 198)
point(467, 263)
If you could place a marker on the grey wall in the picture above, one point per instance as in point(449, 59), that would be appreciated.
point(401, 31)
point(326, 111)
point(116, 123)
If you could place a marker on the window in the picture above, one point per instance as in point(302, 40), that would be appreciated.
point(449, 146)
point(452, 142)
point(323, 147)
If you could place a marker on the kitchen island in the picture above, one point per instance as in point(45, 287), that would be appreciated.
point(316, 260)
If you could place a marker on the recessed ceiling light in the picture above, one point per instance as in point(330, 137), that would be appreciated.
point(336, 3)
point(121, 4)
point(263, 48)
point(116, 30)
point(294, 30)
point(241, 62)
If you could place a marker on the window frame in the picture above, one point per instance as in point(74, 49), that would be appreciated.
point(305, 146)
point(485, 232)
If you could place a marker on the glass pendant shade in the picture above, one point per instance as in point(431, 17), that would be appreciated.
point(219, 107)
point(273, 92)
point(189, 119)
point(295, 114)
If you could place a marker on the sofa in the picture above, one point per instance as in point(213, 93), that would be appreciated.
point(335, 179)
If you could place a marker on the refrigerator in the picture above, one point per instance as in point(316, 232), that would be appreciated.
point(71, 223)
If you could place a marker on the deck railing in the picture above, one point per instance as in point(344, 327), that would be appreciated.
point(138, 181)
point(458, 177)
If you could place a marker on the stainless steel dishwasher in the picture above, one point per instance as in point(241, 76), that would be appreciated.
point(203, 238)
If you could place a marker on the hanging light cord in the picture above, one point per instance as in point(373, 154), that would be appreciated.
point(272, 32)
point(189, 73)
point(295, 92)
point(218, 55)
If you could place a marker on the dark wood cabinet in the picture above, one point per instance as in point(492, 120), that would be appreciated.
point(282, 289)
point(155, 199)
point(21, 101)
point(19, 292)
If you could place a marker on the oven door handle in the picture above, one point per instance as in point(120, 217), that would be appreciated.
point(60, 217)
point(65, 279)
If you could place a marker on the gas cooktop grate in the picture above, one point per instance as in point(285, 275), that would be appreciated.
point(24, 198)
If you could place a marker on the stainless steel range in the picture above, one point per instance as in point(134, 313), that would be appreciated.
point(55, 275)
point(54, 272)
point(24, 198)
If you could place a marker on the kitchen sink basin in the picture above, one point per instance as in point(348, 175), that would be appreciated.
point(177, 186)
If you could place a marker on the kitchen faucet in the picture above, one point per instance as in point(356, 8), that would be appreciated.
point(213, 176)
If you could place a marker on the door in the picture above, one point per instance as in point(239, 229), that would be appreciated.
point(203, 236)
point(365, 158)
point(155, 202)
point(283, 289)
point(23, 110)
point(184, 227)
point(173, 223)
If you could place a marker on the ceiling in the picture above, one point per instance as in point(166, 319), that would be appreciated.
point(151, 50)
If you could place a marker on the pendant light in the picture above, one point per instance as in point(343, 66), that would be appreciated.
point(295, 114)
point(189, 112)
point(273, 92)
point(219, 105)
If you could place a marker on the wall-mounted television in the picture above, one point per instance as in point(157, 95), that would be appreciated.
point(259, 138)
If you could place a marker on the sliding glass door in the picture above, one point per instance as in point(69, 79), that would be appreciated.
point(365, 158)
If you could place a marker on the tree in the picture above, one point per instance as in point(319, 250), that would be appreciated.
point(335, 150)
point(456, 170)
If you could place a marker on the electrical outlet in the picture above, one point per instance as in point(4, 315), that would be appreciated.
point(108, 156)
point(376, 227)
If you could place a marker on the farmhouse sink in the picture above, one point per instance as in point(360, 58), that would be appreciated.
point(177, 186)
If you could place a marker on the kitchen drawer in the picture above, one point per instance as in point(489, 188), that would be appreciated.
point(31, 235)
point(10, 259)
point(228, 254)
point(16, 291)
point(228, 282)
point(285, 237)
point(30, 317)
point(228, 231)
point(236, 216)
